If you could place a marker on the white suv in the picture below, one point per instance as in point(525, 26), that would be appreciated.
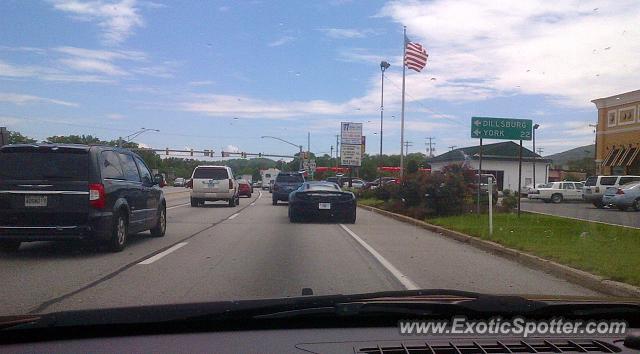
point(595, 186)
point(556, 192)
point(213, 183)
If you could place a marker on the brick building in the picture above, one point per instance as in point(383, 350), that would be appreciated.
point(618, 134)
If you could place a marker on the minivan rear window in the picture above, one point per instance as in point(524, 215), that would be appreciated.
point(290, 178)
point(45, 165)
point(216, 173)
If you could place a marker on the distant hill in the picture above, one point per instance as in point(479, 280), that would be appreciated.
point(579, 153)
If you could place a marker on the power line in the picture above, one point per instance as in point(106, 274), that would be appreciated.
point(430, 146)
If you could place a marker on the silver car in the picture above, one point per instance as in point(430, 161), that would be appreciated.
point(623, 197)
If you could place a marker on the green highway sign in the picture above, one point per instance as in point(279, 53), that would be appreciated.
point(501, 128)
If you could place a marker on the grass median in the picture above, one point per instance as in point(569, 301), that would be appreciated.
point(609, 251)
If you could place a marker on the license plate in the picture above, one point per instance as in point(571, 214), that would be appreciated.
point(35, 201)
point(324, 206)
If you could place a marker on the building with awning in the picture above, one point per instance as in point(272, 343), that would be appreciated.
point(618, 134)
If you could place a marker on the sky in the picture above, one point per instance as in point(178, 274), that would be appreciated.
point(221, 74)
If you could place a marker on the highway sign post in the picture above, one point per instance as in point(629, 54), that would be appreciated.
point(351, 146)
point(502, 129)
point(4, 136)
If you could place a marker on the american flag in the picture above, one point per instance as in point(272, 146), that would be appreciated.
point(416, 56)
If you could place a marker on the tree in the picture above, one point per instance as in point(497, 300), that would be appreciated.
point(75, 139)
point(17, 138)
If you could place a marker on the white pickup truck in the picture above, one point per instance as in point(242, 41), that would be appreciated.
point(556, 192)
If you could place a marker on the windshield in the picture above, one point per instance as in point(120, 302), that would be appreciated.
point(417, 123)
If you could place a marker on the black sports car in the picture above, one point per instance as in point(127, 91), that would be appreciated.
point(322, 199)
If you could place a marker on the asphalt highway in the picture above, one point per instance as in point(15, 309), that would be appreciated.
point(252, 251)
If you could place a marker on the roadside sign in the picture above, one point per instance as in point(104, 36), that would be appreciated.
point(351, 133)
point(350, 155)
point(501, 128)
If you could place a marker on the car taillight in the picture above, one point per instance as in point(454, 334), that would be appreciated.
point(230, 184)
point(619, 191)
point(97, 196)
point(190, 184)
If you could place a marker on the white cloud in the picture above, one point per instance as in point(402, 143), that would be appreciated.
point(20, 99)
point(232, 148)
point(118, 19)
point(346, 33)
point(532, 46)
point(115, 116)
point(281, 41)
point(201, 83)
point(91, 65)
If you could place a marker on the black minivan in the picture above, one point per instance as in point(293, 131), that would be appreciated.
point(67, 191)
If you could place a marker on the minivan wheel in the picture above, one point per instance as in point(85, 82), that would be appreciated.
point(161, 226)
point(598, 205)
point(274, 201)
point(556, 198)
point(232, 202)
point(636, 205)
point(194, 202)
point(9, 246)
point(119, 233)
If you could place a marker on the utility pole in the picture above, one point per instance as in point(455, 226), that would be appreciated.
point(430, 145)
point(331, 155)
point(337, 149)
point(451, 147)
point(406, 146)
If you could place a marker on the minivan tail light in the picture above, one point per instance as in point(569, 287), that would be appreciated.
point(97, 196)
point(619, 191)
point(230, 184)
point(597, 189)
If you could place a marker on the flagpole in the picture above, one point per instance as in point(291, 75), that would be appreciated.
point(404, 53)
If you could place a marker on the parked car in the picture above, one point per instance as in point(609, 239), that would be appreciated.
point(595, 187)
point(214, 183)
point(355, 183)
point(322, 199)
point(256, 184)
point(179, 182)
point(244, 188)
point(374, 184)
point(529, 188)
point(624, 197)
point(67, 191)
point(285, 183)
point(557, 192)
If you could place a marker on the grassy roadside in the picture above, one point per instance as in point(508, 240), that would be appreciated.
point(610, 251)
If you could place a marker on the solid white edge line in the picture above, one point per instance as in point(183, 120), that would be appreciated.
point(403, 279)
point(233, 216)
point(178, 206)
point(164, 253)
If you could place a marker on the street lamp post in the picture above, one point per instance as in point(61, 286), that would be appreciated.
point(535, 127)
point(290, 143)
point(383, 66)
point(132, 136)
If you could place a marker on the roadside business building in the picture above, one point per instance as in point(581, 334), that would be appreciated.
point(499, 159)
point(618, 134)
